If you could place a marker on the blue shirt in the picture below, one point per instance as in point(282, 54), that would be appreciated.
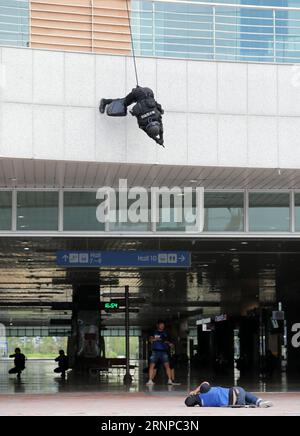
point(160, 345)
point(215, 397)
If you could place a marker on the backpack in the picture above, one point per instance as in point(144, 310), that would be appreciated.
point(117, 108)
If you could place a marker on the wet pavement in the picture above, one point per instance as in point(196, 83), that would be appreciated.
point(41, 392)
point(128, 404)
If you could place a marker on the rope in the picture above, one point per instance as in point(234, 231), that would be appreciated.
point(132, 45)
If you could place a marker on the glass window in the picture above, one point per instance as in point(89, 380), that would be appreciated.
point(5, 210)
point(80, 212)
point(224, 211)
point(269, 212)
point(137, 217)
point(37, 210)
point(236, 34)
point(14, 22)
point(175, 213)
point(297, 212)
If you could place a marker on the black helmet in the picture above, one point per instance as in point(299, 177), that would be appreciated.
point(153, 129)
point(192, 400)
point(149, 92)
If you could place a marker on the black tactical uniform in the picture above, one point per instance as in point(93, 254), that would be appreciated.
point(147, 111)
point(19, 361)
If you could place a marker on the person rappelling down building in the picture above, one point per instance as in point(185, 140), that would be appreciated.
point(146, 109)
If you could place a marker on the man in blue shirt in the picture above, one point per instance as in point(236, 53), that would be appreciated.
point(161, 344)
point(207, 396)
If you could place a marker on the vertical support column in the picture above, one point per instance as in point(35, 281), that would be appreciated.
point(214, 33)
point(153, 30)
point(292, 211)
point(60, 210)
point(246, 211)
point(274, 35)
point(127, 376)
point(14, 210)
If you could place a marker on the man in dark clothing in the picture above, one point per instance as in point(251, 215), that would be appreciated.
point(19, 363)
point(207, 396)
point(63, 364)
point(146, 109)
point(161, 343)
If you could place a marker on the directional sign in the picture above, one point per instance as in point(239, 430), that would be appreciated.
point(154, 259)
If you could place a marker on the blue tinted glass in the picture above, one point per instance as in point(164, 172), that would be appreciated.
point(37, 210)
point(14, 22)
point(6, 210)
point(218, 32)
point(80, 212)
point(269, 212)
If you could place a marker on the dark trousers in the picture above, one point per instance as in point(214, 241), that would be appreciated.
point(15, 370)
point(60, 370)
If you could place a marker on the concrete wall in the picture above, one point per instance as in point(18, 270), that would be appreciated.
point(217, 114)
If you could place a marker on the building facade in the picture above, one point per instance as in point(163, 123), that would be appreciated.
point(226, 74)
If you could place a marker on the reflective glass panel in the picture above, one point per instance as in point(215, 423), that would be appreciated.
point(14, 22)
point(269, 212)
point(297, 212)
point(5, 210)
point(37, 210)
point(135, 217)
point(80, 212)
point(224, 212)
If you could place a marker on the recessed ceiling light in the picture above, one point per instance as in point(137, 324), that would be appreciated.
point(26, 248)
point(244, 243)
point(233, 249)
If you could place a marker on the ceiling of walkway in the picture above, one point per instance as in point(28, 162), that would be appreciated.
point(29, 173)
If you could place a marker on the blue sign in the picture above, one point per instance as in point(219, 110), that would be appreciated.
point(154, 259)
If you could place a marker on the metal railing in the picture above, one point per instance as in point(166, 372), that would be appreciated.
point(216, 31)
point(161, 28)
point(14, 22)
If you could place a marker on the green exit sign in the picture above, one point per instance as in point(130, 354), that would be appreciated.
point(108, 306)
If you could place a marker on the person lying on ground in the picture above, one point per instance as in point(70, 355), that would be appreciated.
point(206, 395)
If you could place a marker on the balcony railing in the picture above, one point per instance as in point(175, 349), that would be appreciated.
point(216, 31)
point(161, 28)
point(14, 22)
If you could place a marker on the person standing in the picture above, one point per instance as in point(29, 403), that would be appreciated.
point(160, 343)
